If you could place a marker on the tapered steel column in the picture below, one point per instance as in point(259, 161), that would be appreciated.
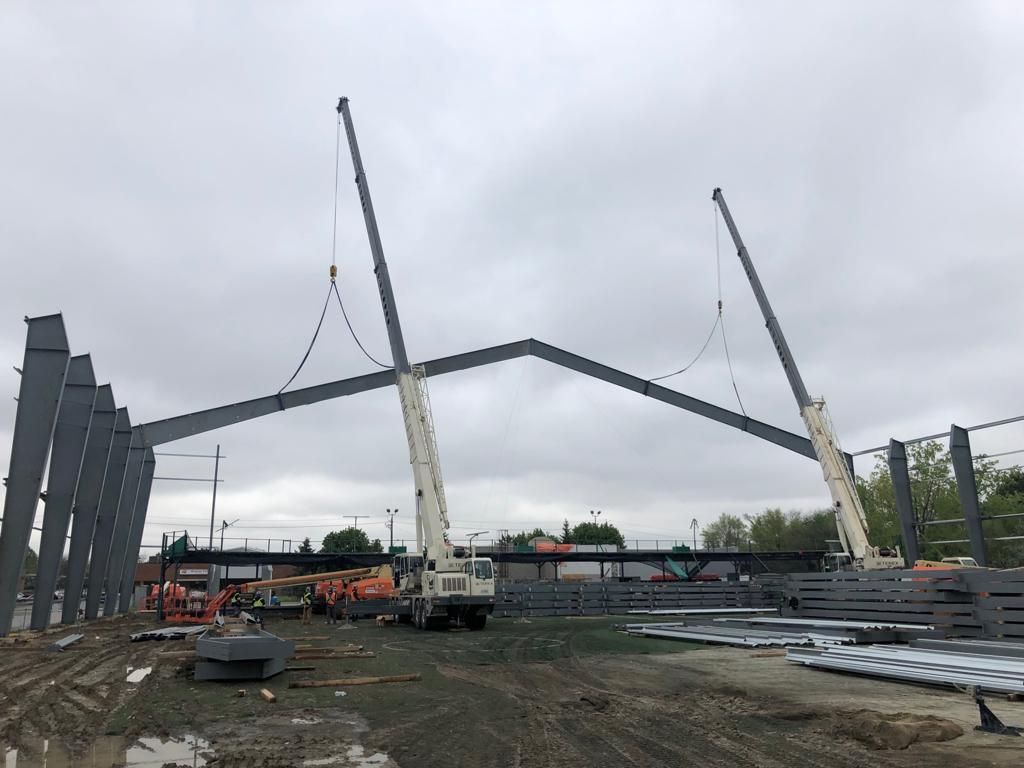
point(107, 512)
point(123, 520)
point(135, 532)
point(69, 438)
point(967, 488)
point(87, 499)
point(897, 458)
point(42, 382)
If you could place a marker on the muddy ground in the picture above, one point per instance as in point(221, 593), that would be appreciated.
point(552, 692)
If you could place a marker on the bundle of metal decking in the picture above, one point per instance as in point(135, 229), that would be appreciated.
point(953, 663)
point(732, 636)
point(778, 631)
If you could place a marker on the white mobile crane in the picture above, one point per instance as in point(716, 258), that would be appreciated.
point(438, 582)
point(858, 552)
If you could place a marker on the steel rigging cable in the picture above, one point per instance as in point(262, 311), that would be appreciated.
point(719, 324)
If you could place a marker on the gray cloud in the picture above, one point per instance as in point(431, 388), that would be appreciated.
point(546, 172)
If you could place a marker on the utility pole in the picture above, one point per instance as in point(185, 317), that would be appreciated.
point(356, 518)
point(391, 527)
point(213, 507)
point(597, 536)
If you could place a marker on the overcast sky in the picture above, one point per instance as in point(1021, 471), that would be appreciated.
point(538, 170)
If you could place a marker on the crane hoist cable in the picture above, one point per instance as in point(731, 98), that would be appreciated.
point(719, 325)
point(334, 274)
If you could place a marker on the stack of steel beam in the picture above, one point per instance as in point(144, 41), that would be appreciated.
point(732, 636)
point(704, 611)
point(1002, 674)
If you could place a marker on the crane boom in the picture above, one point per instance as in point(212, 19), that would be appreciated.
point(431, 507)
point(851, 521)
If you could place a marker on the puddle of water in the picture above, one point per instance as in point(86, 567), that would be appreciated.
point(111, 750)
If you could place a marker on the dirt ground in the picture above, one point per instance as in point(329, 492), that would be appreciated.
point(548, 693)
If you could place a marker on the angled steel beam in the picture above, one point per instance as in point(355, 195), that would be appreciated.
point(967, 488)
point(135, 533)
point(87, 499)
point(123, 520)
point(42, 383)
point(69, 438)
point(177, 427)
point(167, 430)
point(897, 458)
point(767, 432)
point(107, 511)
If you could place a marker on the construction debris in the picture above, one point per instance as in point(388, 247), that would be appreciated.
point(354, 681)
point(167, 633)
point(754, 638)
point(64, 642)
point(267, 696)
point(1003, 674)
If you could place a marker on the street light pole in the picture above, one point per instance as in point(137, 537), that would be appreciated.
point(391, 527)
point(597, 537)
point(693, 527)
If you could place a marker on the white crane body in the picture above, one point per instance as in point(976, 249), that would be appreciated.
point(851, 521)
point(438, 582)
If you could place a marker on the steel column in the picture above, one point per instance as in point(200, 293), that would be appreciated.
point(69, 438)
point(967, 487)
point(107, 511)
point(87, 499)
point(135, 532)
point(123, 520)
point(897, 458)
point(42, 382)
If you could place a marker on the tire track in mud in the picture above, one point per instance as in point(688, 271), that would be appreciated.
point(67, 696)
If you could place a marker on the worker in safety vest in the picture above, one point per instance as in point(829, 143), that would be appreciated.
point(236, 603)
point(307, 606)
point(257, 607)
point(331, 600)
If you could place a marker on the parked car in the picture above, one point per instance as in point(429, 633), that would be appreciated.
point(58, 595)
point(24, 597)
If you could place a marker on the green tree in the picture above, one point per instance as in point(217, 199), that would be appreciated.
point(567, 537)
point(810, 530)
point(934, 493)
point(524, 537)
point(305, 547)
point(596, 533)
point(31, 561)
point(769, 530)
point(727, 531)
point(350, 540)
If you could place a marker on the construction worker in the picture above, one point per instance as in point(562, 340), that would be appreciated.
point(257, 607)
point(307, 606)
point(331, 600)
point(236, 603)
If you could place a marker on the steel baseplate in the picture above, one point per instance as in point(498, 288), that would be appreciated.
point(990, 722)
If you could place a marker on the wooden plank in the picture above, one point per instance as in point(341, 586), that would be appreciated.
point(346, 681)
point(267, 696)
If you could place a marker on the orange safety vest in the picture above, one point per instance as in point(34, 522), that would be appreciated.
point(332, 598)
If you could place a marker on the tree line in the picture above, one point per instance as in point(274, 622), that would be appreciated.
point(932, 486)
point(934, 492)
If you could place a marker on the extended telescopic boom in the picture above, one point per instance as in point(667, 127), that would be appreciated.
point(850, 518)
point(431, 508)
